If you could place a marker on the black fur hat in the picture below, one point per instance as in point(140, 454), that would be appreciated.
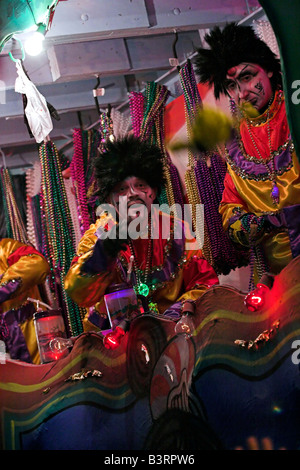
point(124, 157)
point(229, 47)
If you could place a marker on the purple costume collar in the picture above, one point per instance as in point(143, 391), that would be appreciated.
point(251, 168)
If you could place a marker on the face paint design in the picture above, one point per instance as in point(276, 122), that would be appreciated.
point(251, 83)
point(260, 88)
point(136, 191)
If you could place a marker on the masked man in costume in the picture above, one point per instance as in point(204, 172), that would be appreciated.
point(22, 269)
point(166, 269)
point(260, 205)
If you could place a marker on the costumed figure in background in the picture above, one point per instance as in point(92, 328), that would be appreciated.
point(165, 269)
point(261, 199)
point(22, 270)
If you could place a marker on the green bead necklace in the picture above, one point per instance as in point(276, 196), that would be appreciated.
point(58, 231)
point(141, 286)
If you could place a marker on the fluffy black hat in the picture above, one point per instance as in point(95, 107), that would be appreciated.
point(124, 157)
point(229, 47)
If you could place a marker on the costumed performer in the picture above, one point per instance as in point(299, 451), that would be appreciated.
point(166, 269)
point(260, 206)
point(22, 270)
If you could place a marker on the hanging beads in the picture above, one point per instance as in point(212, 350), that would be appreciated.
point(58, 234)
point(136, 106)
point(192, 103)
point(204, 181)
point(142, 287)
point(150, 127)
point(106, 129)
point(14, 223)
point(271, 172)
point(77, 172)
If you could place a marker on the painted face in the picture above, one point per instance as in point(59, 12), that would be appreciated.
point(136, 191)
point(249, 82)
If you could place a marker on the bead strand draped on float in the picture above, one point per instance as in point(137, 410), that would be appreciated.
point(85, 144)
point(58, 234)
point(33, 211)
point(15, 226)
point(204, 180)
point(136, 106)
point(192, 103)
point(147, 115)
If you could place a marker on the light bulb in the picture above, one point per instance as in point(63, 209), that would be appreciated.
point(34, 44)
point(60, 345)
point(185, 325)
point(113, 339)
point(255, 300)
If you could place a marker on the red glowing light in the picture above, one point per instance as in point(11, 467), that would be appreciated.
point(255, 300)
point(113, 340)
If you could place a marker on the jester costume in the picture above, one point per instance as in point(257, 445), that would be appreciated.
point(251, 186)
point(262, 185)
point(22, 269)
point(170, 265)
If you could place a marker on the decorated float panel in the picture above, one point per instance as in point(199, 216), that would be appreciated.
point(236, 375)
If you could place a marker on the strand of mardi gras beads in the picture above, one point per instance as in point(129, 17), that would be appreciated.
point(156, 98)
point(67, 247)
point(16, 226)
point(106, 129)
point(223, 254)
point(136, 107)
point(35, 204)
point(29, 212)
point(17, 220)
point(91, 140)
point(59, 236)
point(140, 105)
point(159, 94)
point(77, 173)
point(73, 209)
point(9, 232)
point(192, 102)
point(8, 203)
point(228, 256)
point(210, 188)
point(210, 182)
point(174, 189)
point(159, 129)
point(66, 243)
point(86, 144)
point(173, 186)
point(151, 126)
point(155, 95)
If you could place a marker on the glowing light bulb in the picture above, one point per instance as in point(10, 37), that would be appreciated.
point(185, 325)
point(255, 300)
point(34, 44)
point(60, 345)
point(113, 339)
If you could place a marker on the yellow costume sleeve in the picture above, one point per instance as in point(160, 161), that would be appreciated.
point(23, 265)
point(85, 288)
